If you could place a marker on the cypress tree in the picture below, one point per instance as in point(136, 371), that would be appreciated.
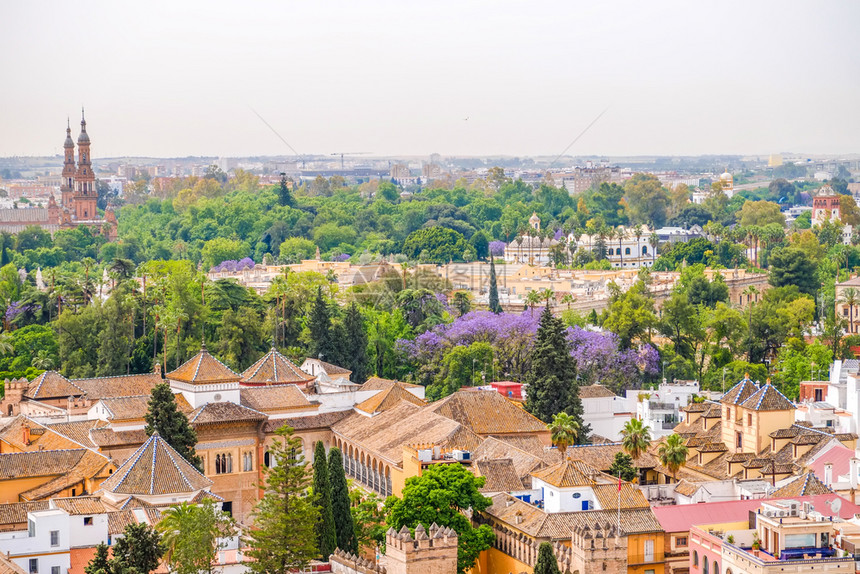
point(340, 504)
point(495, 307)
point(285, 198)
point(552, 375)
point(164, 416)
point(546, 562)
point(99, 564)
point(354, 348)
point(322, 341)
point(326, 537)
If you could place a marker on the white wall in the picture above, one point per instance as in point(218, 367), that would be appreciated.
point(564, 499)
point(21, 547)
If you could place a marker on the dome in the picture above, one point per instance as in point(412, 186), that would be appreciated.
point(68, 143)
point(83, 138)
point(726, 176)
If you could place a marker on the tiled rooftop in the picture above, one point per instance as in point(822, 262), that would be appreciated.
point(213, 413)
point(594, 391)
point(275, 398)
point(274, 369)
point(487, 413)
point(203, 369)
point(387, 399)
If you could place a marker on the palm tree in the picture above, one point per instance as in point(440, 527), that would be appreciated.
point(547, 295)
point(43, 360)
point(564, 431)
point(673, 454)
point(6, 347)
point(533, 299)
point(850, 296)
point(653, 241)
point(569, 299)
point(636, 438)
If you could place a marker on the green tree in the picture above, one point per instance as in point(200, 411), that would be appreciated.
point(285, 197)
point(672, 453)
point(139, 550)
point(495, 307)
point(325, 531)
point(283, 538)
point(552, 376)
point(630, 314)
point(322, 340)
point(760, 213)
point(435, 245)
point(442, 494)
point(647, 200)
point(564, 431)
point(340, 503)
point(222, 249)
point(481, 244)
point(462, 302)
point(789, 266)
point(635, 438)
point(192, 534)
point(368, 516)
point(172, 425)
point(546, 562)
point(354, 348)
point(100, 562)
point(622, 467)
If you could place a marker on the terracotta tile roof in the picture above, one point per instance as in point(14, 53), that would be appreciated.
point(107, 436)
point(740, 457)
point(333, 369)
point(713, 411)
point(155, 468)
point(387, 399)
point(203, 369)
point(38, 463)
point(387, 433)
point(275, 398)
point(694, 408)
point(804, 485)
point(601, 456)
point(789, 432)
point(740, 392)
point(687, 488)
point(274, 369)
point(380, 384)
point(522, 516)
point(118, 520)
point(768, 398)
point(9, 567)
point(712, 447)
point(41, 437)
point(119, 386)
point(52, 384)
point(318, 421)
point(532, 444)
point(631, 497)
point(571, 473)
point(594, 391)
point(487, 413)
point(16, 512)
point(78, 431)
point(523, 461)
point(595, 438)
point(500, 474)
point(90, 465)
point(80, 505)
point(224, 412)
point(126, 408)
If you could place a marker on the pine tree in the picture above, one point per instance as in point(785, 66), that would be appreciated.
point(354, 345)
point(494, 289)
point(546, 562)
point(139, 550)
point(99, 563)
point(282, 539)
point(326, 536)
point(322, 345)
point(285, 198)
point(340, 504)
point(164, 417)
point(552, 375)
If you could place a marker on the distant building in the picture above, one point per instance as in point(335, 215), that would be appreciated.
point(825, 206)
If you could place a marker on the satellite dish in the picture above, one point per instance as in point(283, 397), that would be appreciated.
point(835, 505)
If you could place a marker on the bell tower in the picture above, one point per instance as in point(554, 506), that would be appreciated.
point(67, 187)
point(84, 204)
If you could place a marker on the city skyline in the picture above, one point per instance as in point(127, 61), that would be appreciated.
point(478, 79)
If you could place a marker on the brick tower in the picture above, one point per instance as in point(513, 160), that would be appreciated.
point(84, 203)
point(67, 188)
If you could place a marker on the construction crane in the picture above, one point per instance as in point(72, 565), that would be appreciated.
point(343, 153)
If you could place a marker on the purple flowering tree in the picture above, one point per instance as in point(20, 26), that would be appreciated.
point(599, 359)
point(497, 248)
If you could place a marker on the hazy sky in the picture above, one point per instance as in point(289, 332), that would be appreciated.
point(181, 77)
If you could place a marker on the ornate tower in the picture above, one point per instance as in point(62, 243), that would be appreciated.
point(67, 188)
point(85, 180)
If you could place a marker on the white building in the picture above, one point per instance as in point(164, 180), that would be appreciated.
point(605, 412)
point(627, 248)
point(660, 409)
point(573, 485)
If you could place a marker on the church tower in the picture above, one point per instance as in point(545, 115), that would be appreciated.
point(84, 204)
point(67, 187)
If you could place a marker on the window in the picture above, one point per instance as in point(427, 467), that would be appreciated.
point(749, 419)
point(695, 558)
point(705, 565)
point(34, 565)
point(577, 494)
point(681, 541)
point(716, 568)
point(88, 520)
point(644, 250)
point(740, 440)
point(55, 570)
point(649, 551)
point(247, 462)
point(649, 572)
point(31, 528)
point(818, 395)
point(55, 537)
point(627, 251)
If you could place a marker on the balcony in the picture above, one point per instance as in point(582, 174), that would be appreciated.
point(668, 425)
point(658, 406)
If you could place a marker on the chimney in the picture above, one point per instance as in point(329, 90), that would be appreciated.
point(157, 369)
point(26, 437)
point(828, 474)
point(855, 469)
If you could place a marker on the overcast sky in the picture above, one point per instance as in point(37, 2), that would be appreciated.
point(402, 77)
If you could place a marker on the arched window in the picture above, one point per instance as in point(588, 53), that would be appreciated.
point(267, 459)
point(229, 463)
point(695, 558)
point(644, 250)
point(217, 464)
point(716, 568)
point(627, 251)
point(705, 565)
